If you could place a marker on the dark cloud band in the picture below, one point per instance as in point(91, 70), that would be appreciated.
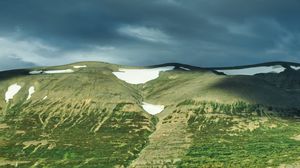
point(202, 33)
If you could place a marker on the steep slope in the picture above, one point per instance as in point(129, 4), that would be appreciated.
point(71, 119)
point(176, 135)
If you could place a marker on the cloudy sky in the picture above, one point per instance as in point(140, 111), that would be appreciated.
point(145, 32)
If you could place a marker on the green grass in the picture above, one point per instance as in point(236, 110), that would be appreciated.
point(214, 145)
point(117, 142)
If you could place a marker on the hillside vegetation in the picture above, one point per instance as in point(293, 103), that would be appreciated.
point(90, 118)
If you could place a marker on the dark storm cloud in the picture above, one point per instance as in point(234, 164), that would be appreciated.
point(141, 32)
point(8, 63)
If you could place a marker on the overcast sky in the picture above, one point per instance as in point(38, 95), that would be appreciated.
point(145, 32)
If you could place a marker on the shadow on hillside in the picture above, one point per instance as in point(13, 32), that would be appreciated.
point(256, 90)
point(4, 75)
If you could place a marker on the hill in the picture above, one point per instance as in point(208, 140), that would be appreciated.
point(94, 114)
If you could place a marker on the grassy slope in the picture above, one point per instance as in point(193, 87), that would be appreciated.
point(214, 145)
point(90, 119)
point(289, 80)
point(247, 136)
point(175, 86)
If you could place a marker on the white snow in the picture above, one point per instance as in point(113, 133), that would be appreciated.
point(152, 109)
point(35, 72)
point(45, 97)
point(139, 76)
point(79, 66)
point(51, 71)
point(187, 69)
point(12, 91)
point(253, 70)
point(30, 92)
point(58, 71)
point(295, 67)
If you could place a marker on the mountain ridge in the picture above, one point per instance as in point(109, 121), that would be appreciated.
point(176, 64)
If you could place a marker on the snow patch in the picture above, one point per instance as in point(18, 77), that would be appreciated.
point(152, 109)
point(295, 67)
point(12, 91)
point(139, 76)
point(58, 71)
point(30, 92)
point(79, 66)
point(253, 70)
point(187, 69)
point(35, 72)
point(51, 71)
